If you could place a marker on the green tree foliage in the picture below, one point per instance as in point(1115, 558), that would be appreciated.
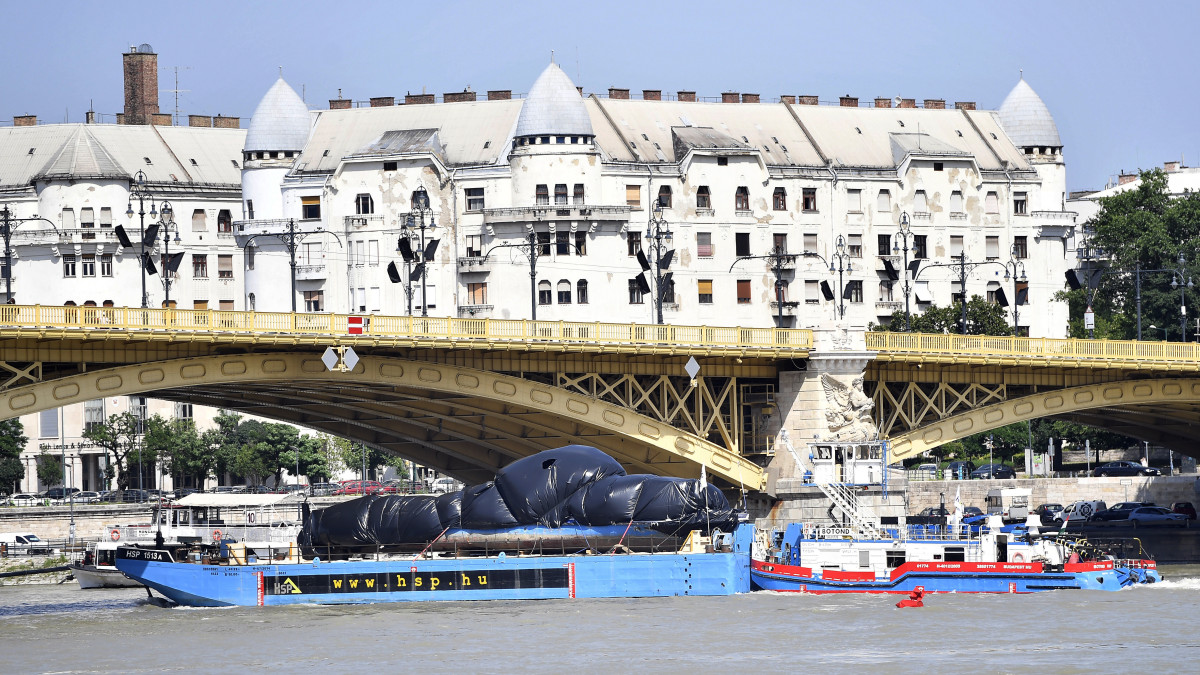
point(181, 448)
point(983, 318)
point(49, 469)
point(351, 455)
point(1144, 226)
point(119, 438)
point(260, 450)
point(12, 442)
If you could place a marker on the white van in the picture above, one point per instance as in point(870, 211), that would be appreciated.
point(23, 543)
point(444, 485)
point(1083, 511)
point(1009, 503)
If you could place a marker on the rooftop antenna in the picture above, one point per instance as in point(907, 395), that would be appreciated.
point(1022, 72)
point(281, 72)
point(551, 56)
point(177, 91)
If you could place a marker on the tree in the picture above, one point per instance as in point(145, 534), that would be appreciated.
point(1148, 228)
point(351, 455)
point(181, 448)
point(983, 318)
point(12, 442)
point(119, 438)
point(49, 469)
point(259, 450)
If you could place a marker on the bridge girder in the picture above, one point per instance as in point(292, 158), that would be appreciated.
point(527, 415)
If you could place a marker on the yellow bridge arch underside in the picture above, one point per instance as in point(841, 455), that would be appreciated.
point(1159, 404)
point(463, 421)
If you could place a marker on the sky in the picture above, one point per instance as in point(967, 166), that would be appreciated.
point(1119, 80)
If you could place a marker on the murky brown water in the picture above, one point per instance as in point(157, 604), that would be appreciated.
point(57, 629)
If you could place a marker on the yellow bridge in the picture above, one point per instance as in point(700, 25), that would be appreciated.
point(467, 396)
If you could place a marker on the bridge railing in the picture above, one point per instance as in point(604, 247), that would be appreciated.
point(1039, 348)
point(400, 327)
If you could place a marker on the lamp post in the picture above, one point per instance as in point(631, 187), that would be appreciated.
point(1164, 330)
point(1016, 269)
point(420, 211)
point(139, 191)
point(8, 223)
point(842, 260)
point(1177, 281)
point(166, 222)
point(658, 232)
point(903, 235)
point(777, 259)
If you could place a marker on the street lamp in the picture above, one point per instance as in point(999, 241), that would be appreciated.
point(1016, 269)
point(778, 259)
point(658, 237)
point(170, 265)
point(420, 211)
point(904, 233)
point(1177, 281)
point(139, 191)
point(842, 260)
point(1164, 330)
point(8, 223)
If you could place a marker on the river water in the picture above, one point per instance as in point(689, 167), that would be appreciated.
point(1149, 629)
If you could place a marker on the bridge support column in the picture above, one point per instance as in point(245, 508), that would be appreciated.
point(824, 402)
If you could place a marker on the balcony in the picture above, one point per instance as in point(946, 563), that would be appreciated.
point(957, 215)
point(922, 215)
point(474, 265)
point(1054, 224)
point(789, 307)
point(474, 311)
point(705, 212)
point(362, 221)
point(886, 307)
point(550, 212)
point(310, 272)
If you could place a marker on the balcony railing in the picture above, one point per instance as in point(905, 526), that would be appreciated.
point(552, 211)
point(310, 272)
point(474, 264)
point(475, 311)
point(363, 220)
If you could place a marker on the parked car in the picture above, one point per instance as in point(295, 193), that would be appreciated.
point(1125, 469)
point(1082, 511)
point(257, 490)
point(923, 472)
point(59, 494)
point(24, 499)
point(960, 470)
point(85, 497)
point(23, 543)
point(993, 471)
point(1120, 510)
point(358, 487)
point(293, 488)
point(324, 489)
point(180, 493)
point(126, 497)
point(972, 511)
point(444, 485)
point(1049, 513)
point(1184, 508)
point(934, 512)
point(1156, 515)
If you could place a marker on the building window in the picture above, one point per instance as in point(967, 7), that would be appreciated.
point(664, 196)
point(705, 291)
point(183, 411)
point(581, 243)
point(389, 166)
point(199, 220)
point(477, 293)
point(560, 194)
point(105, 216)
point(633, 196)
point(779, 200)
point(956, 246)
point(741, 243)
point(68, 219)
point(199, 304)
point(1020, 247)
point(779, 243)
point(919, 248)
point(543, 292)
point(885, 290)
point(1022, 290)
point(137, 406)
point(543, 240)
point(854, 291)
point(581, 289)
point(564, 292)
point(373, 252)
point(812, 293)
point(633, 242)
point(722, 161)
point(991, 203)
point(703, 200)
point(314, 301)
point(474, 245)
point(636, 296)
point(69, 265)
point(883, 201)
point(250, 209)
point(1019, 203)
point(668, 291)
point(992, 248)
point(854, 201)
point(89, 264)
point(854, 245)
point(939, 166)
point(810, 243)
point(577, 197)
point(364, 204)
point(741, 199)
point(542, 197)
point(224, 221)
point(993, 292)
point(93, 414)
point(743, 291)
point(956, 201)
point(809, 199)
point(474, 199)
point(704, 247)
point(87, 221)
point(562, 243)
point(224, 266)
point(310, 208)
point(199, 266)
point(48, 423)
point(921, 202)
point(884, 244)
point(106, 267)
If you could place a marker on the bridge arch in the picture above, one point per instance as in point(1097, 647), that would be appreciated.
point(463, 421)
point(1160, 410)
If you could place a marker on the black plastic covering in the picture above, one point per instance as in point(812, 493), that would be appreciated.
point(575, 484)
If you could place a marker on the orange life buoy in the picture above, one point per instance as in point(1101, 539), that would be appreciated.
point(115, 535)
point(1017, 557)
point(216, 535)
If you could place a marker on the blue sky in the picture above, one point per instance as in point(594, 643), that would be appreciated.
point(1120, 81)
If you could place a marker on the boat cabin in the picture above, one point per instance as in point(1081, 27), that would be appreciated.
point(857, 463)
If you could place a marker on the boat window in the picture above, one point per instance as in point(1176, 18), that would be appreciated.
point(184, 516)
point(955, 554)
point(895, 558)
point(864, 558)
point(876, 452)
point(864, 452)
point(824, 452)
point(995, 500)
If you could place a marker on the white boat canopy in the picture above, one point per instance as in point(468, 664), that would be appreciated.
point(229, 500)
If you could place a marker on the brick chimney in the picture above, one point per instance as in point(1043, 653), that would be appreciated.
point(907, 103)
point(787, 98)
point(415, 99)
point(883, 102)
point(807, 100)
point(1172, 166)
point(160, 120)
point(464, 96)
point(730, 97)
point(89, 117)
point(687, 96)
point(339, 103)
point(965, 105)
point(141, 84)
point(500, 94)
point(221, 122)
point(749, 98)
point(1126, 178)
point(652, 94)
point(848, 101)
point(199, 121)
point(935, 104)
point(25, 121)
point(619, 94)
point(382, 101)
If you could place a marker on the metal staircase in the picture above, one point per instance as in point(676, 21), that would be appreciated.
point(843, 497)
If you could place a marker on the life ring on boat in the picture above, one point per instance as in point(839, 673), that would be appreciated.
point(216, 535)
point(1018, 558)
point(115, 535)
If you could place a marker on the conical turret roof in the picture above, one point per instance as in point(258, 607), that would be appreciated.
point(554, 107)
point(280, 122)
point(1026, 119)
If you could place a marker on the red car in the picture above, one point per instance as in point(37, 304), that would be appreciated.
point(359, 487)
point(1184, 508)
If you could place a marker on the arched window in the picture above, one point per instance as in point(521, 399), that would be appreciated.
point(741, 199)
point(664, 196)
point(779, 200)
point(702, 198)
point(543, 292)
point(581, 289)
point(564, 292)
point(251, 302)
